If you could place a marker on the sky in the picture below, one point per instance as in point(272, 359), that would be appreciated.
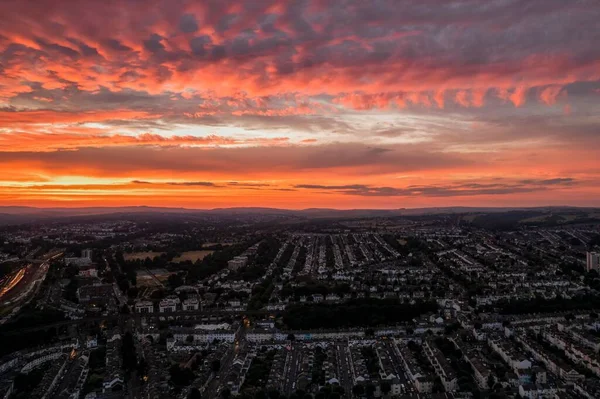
point(300, 104)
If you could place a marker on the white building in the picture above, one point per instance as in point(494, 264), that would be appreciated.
point(592, 261)
point(237, 262)
point(92, 342)
point(88, 271)
point(87, 253)
point(167, 305)
point(191, 304)
point(144, 307)
point(84, 260)
point(260, 335)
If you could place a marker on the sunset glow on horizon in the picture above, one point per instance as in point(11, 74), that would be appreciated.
point(312, 103)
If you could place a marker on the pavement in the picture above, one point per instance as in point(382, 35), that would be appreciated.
point(344, 367)
point(290, 372)
point(214, 386)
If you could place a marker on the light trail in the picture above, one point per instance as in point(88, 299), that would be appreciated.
point(13, 282)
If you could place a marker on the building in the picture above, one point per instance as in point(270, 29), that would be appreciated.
point(84, 260)
point(88, 271)
point(113, 378)
point(144, 307)
point(237, 262)
point(87, 253)
point(191, 304)
point(441, 366)
point(97, 294)
point(592, 261)
point(167, 305)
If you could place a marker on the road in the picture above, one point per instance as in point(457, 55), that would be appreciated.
point(213, 388)
point(345, 367)
point(178, 314)
point(290, 372)
point(392, 350)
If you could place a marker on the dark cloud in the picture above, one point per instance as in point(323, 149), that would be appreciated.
point(188, 23)
point(153, 44)
point(116, 45)
point(454, 190)
point(550, 182)
point(244, 184)
point(175, 183)
point(198, 45)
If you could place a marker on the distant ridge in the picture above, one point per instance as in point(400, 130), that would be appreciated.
point(25, 214)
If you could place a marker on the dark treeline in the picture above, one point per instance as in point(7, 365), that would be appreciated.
point(15, 339)
point(365, 312)
point(267, 251)
point(300, 260)
point(214, 262)
point(558, 304)
point(265, 254)
point(285, 256)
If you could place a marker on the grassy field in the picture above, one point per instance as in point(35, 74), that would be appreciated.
point(192, 255)
point(142, 255)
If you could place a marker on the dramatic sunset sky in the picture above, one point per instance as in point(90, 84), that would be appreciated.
point(296, 104)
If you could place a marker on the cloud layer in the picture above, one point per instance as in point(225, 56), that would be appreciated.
point(282, 103)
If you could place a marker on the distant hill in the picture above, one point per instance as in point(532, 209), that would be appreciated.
point(10, 215)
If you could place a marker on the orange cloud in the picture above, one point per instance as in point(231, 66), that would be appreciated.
point(8, 118)
point(549, 94)
point(44, 142)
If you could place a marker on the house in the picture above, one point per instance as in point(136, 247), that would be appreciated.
point(96, 295)
point(167, 305)
point(88, 271)
point(237, 262)
point(91, 342)
point(537, 391)
point(441, 366)
point(144, 307)
point(191, 304)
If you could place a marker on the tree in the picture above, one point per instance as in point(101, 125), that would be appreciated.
point(175, 281)
point(370, 390)
point(180, 376)
point(194, 394)
point(142, 368)
point(438, 387)
point(569, 317)
point(189, 339)
point(260, 395)
point(358, 390)
point(274, 394)
point(132, 292)
point(226, 393)
point(386, 387)
point(128, 352)
point(215, 365)
point(291, 337)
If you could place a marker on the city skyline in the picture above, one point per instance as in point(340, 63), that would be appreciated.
point(348, 104)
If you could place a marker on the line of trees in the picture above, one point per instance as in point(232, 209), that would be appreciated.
point(364, 312)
